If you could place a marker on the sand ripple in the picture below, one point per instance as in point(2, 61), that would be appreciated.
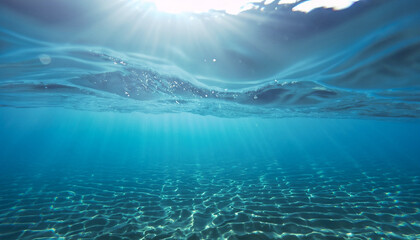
point(192, 201)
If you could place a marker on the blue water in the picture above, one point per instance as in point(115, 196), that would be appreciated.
point(118, 121)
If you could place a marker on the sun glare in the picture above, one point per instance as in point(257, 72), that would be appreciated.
point(236, 6)
point(334, 4)
point(194, 6)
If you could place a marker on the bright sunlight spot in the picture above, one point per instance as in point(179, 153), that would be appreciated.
point(334, 4)
point(201, 6)
point(236, 6)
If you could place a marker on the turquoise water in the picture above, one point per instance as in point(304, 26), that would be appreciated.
point(118, 121)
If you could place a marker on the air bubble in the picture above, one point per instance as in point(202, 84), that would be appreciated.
point(44, 59)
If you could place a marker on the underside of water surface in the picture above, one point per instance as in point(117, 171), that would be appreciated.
point(269, 61)
point(239, 119)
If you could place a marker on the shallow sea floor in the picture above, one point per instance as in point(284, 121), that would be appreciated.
point(81, 175)
point(237, 201)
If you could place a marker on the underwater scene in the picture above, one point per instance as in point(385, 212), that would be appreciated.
point(235, 119)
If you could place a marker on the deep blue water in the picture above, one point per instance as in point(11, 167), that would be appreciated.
point(119, 121)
